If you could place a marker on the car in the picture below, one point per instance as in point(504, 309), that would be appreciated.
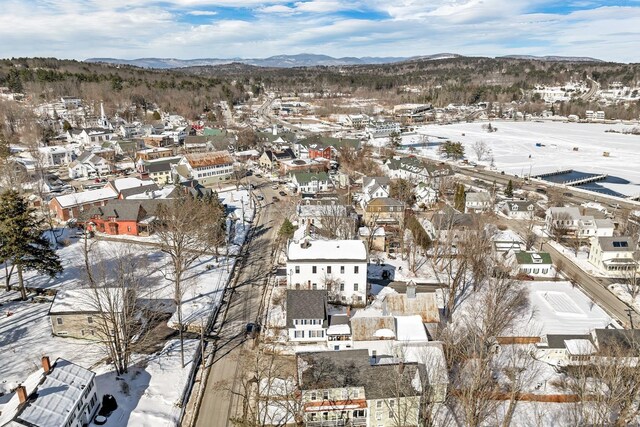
point(251, 330)
point(260, 198)
point(282, 193)
point(274, 186)
point(258, 175)
point(275, 199)
point(567, 194)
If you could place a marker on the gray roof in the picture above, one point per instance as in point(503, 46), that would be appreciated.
point(139, 190)
point(616, 244)
point(352, 368)
point(614, 339)
point(558, 341)
point(453, 220)
point(127, 210)
point(380, 180)
point(306, 304)
point(520, 205)
point(163, 165)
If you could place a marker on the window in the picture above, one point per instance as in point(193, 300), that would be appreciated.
point(356, 269)
point(316, 334)
point(315, 286)
point(345, 394)
point(341, 287)
point(298, 334)
point(59, 320)
point(328, 269)
point(314, 396)
point(297, 269)
point(325, 395)
point(342, 269)
point(314, 269)
point(355, 287)
point(89, 319)
point(379, 404)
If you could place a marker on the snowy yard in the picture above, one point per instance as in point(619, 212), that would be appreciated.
point(625, 294)
point(156, 382)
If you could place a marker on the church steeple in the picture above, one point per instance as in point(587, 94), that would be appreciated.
point(103, 122)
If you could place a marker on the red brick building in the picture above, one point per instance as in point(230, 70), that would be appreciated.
point(124, 217)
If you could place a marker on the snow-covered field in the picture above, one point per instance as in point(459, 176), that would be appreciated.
point(514, 142)
point(623, 292)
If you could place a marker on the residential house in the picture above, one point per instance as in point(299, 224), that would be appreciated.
point(159, 171)
point(71, 101)
point(519, 209)
point(535, 264)
point(93, 136)
point(451, 226)
point(77, 313)
point(614, 256)
point(307, 315)
point(478, 202)
point(332, 218)
point(158, 141)
point(311, 183)
point(127, 148)
point(357, 121)
point(322, 147)
point(124, 217)
point(507, 242)
point(70, 206)
point(270, 158)
point(129, 186)
point(89, 165)
point(416, 170)
point(207, 168)
point(153, 154)
point(562, 218)
point(350, 388)
point(374, 187)
point(338, 266)
point(384, 211)
point(56, 155)
point(58, 394)
point(425, 194)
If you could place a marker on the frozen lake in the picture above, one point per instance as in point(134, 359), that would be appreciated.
point(564, 146)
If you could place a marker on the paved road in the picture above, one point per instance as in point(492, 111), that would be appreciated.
point(218, 402)
point(595, 287)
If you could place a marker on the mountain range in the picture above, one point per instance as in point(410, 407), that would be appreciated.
point(304, 60)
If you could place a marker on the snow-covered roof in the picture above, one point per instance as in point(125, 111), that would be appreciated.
point(86, 300)
point(343, 250)
point(580, 347)
point(339, 330)
point(366, 231)
point(58, 393)
point(84, 197)
point(410, 328)
point(559, 308)
point(384, 333)
point(127, 183)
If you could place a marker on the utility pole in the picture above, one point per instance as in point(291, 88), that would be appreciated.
point(630, 314)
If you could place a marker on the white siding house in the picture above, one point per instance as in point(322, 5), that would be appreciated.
point(338, 266)
point(614, 256)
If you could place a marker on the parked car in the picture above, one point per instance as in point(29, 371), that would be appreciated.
point(261, 198)
point(275, 199)
point(252, 330)
point(274, 186)
point(258, 175)
point(282, 193)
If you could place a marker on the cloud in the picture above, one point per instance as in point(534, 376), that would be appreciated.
point(259, 28)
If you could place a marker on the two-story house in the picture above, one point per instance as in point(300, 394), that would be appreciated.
point(374, 187)
point(349, 388)
point(58, 394)
point(311, 182)
point(614, 256)
point(478, 202)
point(207, 168)
point(338, 266)
point(89, 165)
point(307, 315)
point(519, 209)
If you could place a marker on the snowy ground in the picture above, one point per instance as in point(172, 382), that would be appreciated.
point(622, 291)
point(514, 142)
point(157, 382)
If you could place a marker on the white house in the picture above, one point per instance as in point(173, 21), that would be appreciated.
point(58, 394)
point(207, 168)
point(519, 209)
point(381, 128)
point(338, 266)
point(89, 165)
point(477, 202)
point(55, 155)
point(374, 187)
point(425, 194)
point(536, 264)
point(614, 256)
point(311, 182)
point(562, 217)
point(307, 319)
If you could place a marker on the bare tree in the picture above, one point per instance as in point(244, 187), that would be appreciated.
point(481, 149)
point(188, 228)
point(336, 222)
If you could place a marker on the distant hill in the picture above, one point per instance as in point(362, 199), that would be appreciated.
point(279, 61)
point(553, 58)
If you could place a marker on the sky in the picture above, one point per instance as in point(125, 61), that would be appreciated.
point(187, 29)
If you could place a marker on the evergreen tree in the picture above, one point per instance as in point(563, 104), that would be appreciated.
point(509, 190)
point(286, 229)
point(21, 240)
point(156, 115)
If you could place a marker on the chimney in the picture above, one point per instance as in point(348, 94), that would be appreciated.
point(411, 290)
point(21, 391)
point(46, 364)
